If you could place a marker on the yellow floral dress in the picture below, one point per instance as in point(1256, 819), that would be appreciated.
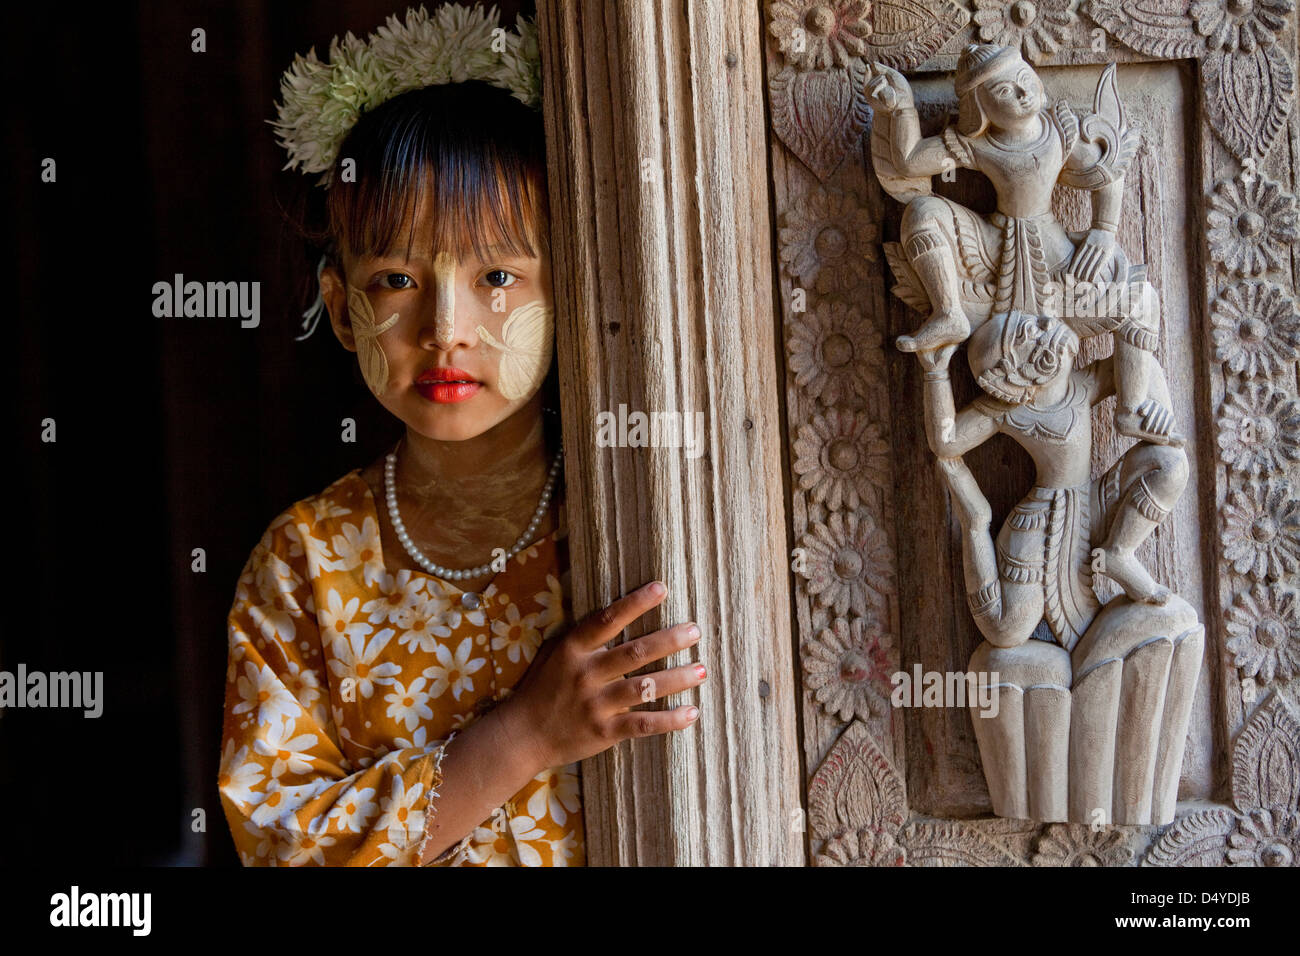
point(345, 681)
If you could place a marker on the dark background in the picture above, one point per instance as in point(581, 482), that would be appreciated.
point(172, 434)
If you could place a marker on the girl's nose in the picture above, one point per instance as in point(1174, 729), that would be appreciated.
point(444, 309)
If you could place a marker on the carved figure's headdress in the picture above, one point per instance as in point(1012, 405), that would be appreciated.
point(979, 61)
point(322, 100)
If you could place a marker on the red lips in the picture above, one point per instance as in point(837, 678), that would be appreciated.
point(444, 375)
point(446, 385)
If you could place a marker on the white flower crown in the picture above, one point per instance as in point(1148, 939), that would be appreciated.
point(322, 101)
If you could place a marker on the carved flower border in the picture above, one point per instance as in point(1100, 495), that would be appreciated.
point(828, 253)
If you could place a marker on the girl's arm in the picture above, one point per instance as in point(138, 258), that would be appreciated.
point(289, 793)
point(573, 703)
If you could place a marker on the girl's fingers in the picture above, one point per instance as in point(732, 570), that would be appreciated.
point(647, 723)
point(649, 687)
point(604, 625)
point(633, 654)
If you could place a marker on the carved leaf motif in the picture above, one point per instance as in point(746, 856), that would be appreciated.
point(1248, 97)
point(951, 843)
point(906, 33)
point(909, 287)
point(1161, 28)
point(820, 114)
point(1266, 759)
point(1198, 839)
point(855, 788)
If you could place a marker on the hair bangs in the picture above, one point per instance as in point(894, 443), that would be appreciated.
point(476, 163)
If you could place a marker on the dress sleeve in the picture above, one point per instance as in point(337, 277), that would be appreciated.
point(290, 794)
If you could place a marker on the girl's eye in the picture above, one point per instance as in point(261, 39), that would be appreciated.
point(500, 279)
point(396, 280)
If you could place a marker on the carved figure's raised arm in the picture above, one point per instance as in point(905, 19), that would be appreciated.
point(898, 148)
point(950, 433)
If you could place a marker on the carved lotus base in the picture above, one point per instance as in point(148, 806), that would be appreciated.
point(1097, 735)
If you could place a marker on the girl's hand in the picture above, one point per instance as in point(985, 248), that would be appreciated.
point(574, 701)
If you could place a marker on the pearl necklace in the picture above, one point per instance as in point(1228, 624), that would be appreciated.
point(437, 570)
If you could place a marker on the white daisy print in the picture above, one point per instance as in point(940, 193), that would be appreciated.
point(562, 850)
point(356, 659)
point(453, 672)
point(263, 693)
point(409, 706)
point(424, 622)
point(289, 751)
point(338, 618)
point(552, 602)
point(559, 797)
point(396, 591)
point(403, 822)
point(517, 637)
point(359, 548)
point(305, 848)
point(320, 559)
point(239, 775)
point(354, 809)
point(525, 832)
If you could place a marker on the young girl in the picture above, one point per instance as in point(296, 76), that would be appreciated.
point(404, 684)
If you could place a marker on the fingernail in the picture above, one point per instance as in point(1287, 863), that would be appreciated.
point(658, 589)
point(693, 631)
point(700, 672)
point(692, 713)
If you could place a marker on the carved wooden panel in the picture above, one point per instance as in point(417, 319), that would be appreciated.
point(1210, 207)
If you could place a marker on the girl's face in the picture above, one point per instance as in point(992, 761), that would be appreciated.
point(450, 347)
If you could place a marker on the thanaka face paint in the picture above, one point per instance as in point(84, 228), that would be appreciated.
point(525, 346)
point(374, 364)
point(444, 280)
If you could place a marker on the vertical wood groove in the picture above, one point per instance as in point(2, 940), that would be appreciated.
point(683, 266)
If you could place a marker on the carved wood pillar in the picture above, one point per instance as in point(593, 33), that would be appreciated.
point(663, 288)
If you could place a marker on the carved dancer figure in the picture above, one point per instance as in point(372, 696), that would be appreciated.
point(964, 267)
point(1041, 564)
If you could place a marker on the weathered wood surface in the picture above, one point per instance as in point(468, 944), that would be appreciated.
point(663, 290)
point(1211, 208)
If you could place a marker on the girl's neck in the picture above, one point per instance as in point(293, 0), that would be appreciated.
point(495, 471)
point(461, 501)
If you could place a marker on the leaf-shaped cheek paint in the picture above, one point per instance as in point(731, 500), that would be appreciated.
point(525, 347)
point(365, 332)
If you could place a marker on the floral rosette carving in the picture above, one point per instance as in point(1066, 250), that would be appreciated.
point(1251, 224)
point(828, 243)
point(840, 457)
point(1260, 532)
point(841, 557)
point(834, 354)
point(1240, 24)
point(1263, 627)
point(1072, 844)
point(816, 34)
point(846, 667)
point(1037, 27)
point(1259, 429)
point(1256, 330)
point(1262, 828)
